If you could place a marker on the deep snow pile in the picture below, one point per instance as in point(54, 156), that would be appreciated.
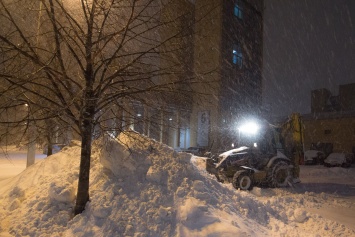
point(140, 187)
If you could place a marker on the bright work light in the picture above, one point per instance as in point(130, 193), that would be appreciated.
point(249, 128)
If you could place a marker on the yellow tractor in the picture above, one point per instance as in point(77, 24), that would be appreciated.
point(292, 134)
point(267, 155)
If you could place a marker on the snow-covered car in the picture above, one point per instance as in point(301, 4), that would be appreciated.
point(339, 159)
point(313, 157)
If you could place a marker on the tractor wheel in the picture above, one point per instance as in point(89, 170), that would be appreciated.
point(242, 181)
point(345, 165)
point(280, 175)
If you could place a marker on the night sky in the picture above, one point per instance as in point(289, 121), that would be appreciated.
point(308, 44)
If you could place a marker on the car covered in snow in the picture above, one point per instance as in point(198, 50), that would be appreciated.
point(313, 157)
point(339, 159)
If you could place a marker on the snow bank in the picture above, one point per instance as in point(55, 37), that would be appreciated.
point(39, 201)
point(140, 187)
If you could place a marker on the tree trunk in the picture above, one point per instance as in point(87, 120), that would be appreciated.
point(87, 122)
point(83, 185)
point(31, 150)
point(49, 144)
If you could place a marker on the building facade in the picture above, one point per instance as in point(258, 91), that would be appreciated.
point(332, 120)
point(222, 51)
point(214, 47)
point(228, 56)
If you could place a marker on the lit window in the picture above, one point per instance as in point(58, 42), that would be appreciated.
point(238, 11)
point(237, 56)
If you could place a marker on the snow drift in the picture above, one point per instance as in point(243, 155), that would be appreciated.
point(140, 187)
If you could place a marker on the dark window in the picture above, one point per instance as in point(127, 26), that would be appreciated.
point(327, 131)
point(237, 56)
point(238, 11)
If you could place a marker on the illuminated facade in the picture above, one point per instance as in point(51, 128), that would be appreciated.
point(223, 48)
point(228, 52)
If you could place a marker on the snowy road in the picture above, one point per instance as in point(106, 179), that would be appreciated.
point(14, 162)
point(332, 189)
point(340, 185)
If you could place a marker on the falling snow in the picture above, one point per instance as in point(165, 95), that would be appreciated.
point(140, 187)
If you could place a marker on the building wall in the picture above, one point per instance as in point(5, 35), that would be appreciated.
point(347, 96)
point(322, 100)
point(176, 63)
point(207, 64)
point(332, 119)
point(242, 83)
point(224, 90)
point(319, 100)
point(339, 131)
point(231, 89)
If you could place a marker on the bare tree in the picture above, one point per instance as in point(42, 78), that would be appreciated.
point(84, 63)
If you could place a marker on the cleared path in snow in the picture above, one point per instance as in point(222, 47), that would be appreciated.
point(13, 162)
point(339, 183)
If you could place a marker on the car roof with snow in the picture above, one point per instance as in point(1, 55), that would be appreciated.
point(338, 156)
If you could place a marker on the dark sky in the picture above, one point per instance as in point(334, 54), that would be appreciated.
point(308, 44)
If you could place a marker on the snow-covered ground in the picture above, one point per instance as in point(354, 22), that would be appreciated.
point(151, 190)
point(13, 161)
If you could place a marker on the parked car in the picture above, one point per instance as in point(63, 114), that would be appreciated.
point(324, 147)
point(339, 159)
point(313, 157)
